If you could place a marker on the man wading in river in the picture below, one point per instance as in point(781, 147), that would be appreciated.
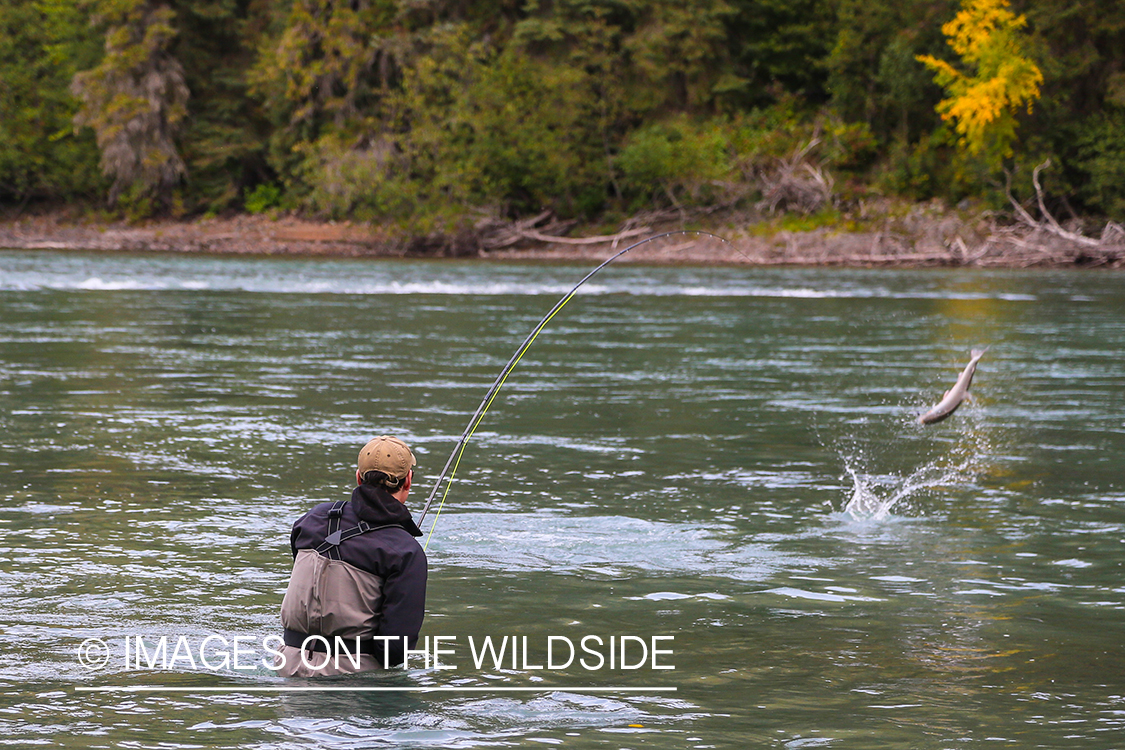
point(359, 574)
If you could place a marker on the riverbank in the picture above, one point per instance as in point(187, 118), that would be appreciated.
point(920, 235)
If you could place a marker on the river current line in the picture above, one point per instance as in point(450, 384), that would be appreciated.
point(459, 449)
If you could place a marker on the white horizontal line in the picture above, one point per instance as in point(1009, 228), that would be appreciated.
point(360, 689)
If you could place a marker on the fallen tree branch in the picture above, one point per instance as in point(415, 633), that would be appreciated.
point(1021, 212)
point(1049, 223)
point(796, 184)
point(495, 234)
point(1054, 225)
point(538, 237)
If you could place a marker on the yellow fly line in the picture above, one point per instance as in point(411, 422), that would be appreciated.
point(478, 416)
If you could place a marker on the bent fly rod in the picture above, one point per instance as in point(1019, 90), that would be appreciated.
point(454, 459)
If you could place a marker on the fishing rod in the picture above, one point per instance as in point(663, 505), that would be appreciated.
point(454, 459)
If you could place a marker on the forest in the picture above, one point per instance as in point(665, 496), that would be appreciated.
point(430, 114)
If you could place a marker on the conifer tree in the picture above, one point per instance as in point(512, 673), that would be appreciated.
point(42, 44)
point(135, 101)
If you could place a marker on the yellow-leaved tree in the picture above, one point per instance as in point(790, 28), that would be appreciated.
point(983, 102)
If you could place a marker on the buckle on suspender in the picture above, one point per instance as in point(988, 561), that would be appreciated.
point(333, 539)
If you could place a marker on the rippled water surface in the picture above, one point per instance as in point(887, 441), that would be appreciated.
point(725, 456)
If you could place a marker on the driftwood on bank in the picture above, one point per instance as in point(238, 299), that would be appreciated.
point(495, 234)
point(1108, 248)
point(796, 184)
point(880, 234)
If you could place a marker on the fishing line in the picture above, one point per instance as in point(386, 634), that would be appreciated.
point(454, 459)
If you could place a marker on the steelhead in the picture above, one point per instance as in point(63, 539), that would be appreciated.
point(955, 395)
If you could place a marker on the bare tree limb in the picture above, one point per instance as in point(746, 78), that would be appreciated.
point(1021, 212)
point(1053, 225)
point(533, 235)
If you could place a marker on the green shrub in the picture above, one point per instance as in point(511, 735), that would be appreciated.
point(263, 198)
point(676, 160)
point(367, 182)
point(1101, 157)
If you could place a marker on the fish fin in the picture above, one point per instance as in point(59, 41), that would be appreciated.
point(977, 353)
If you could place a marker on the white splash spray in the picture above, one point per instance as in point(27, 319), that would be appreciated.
point(879, 495)
point(876, 496)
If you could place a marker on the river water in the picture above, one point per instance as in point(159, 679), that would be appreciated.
point(720, 463)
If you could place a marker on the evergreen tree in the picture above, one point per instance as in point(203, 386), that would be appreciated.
point(224, 134)
point(1080, 118)
point(42, 44)
point(426, 113)
point(135, 101)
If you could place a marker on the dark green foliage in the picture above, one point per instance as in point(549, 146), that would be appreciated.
point(223, 140)
point(674, 161)
point(680, 51)
point(469, 127)
point(778, 47)
point(431, 114)
point(42, 45)
point(1081, 48)
point(1100, 159)
point(872, 74)
point(263, 198)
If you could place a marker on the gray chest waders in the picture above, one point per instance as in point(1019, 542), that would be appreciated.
point(330, 549)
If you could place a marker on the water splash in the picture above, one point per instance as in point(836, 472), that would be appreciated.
point(877, 495)
point(891, 460)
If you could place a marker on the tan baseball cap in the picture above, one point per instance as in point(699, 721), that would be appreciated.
point(388, 455)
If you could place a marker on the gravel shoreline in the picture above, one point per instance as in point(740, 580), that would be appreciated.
point(930, 238)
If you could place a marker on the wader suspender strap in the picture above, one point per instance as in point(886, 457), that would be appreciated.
point(334, 514)
point(335, 536)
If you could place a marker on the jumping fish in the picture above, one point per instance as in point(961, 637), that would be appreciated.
point(955, 395)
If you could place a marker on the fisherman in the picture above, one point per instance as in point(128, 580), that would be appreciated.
point(357, 594)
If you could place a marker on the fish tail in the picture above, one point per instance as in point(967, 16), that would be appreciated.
point(978, 353)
